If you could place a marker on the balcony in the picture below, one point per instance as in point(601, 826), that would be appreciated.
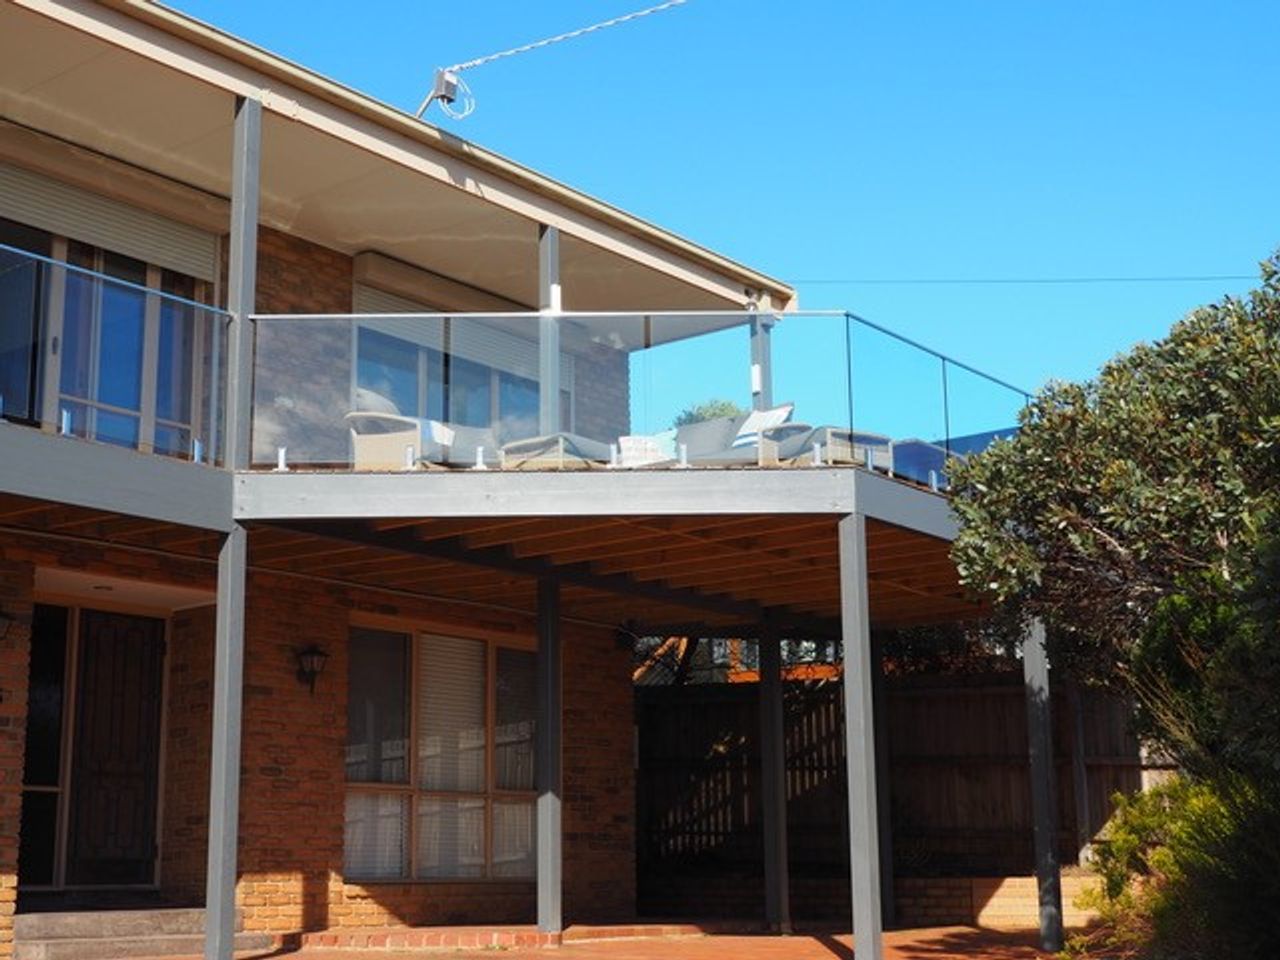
point(619, 391)
point(125, 359)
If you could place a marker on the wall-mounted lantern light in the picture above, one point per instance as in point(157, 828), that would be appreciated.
point(311, 661)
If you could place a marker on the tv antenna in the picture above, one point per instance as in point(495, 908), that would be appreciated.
point(449, 86)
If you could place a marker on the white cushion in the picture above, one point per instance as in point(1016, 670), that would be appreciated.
point(760, 420)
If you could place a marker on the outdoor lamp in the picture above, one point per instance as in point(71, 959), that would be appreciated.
point(311, 661)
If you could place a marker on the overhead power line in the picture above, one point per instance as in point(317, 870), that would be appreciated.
point(964, 281)
point(448, 84)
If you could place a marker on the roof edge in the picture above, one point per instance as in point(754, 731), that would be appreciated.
point(241, 51)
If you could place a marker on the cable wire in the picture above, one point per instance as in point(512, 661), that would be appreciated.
point(451, 74)
point(538, 44)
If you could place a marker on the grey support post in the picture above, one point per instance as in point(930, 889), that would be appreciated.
point(761, 362)
point(550, 303)
point(548, 766)
point(773, 768)
point(228, 666)
point(1035, 671)
point(859, 733)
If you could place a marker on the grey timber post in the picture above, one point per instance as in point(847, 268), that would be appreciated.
point(773, 768)
point(228, 666)
point(761, 362)
point(548, 767)
point(1035, 671)
point(859, 739)
point(550, 303)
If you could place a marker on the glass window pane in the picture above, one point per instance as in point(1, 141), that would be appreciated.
point(37, 837)
point(374, 838)
point(44, 697)
point(20, 293)
point(451, 714)
point(450, 838)
point(513, 854)
point(173, 373)
point(117, 428)
point(469, 400)
point(515, 707)
point(377, 707)
point(120, 350)
point(388, 366)
point(172, 440)
point(517, 407)
point(435, 385)
point(77, 333)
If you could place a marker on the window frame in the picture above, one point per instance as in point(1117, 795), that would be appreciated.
point(416, 634)
point(52, 346)
point(424, 383)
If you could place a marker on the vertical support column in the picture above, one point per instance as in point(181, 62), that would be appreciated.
point(228, 666)
point(1079, 775)
point(550, 304)
point(773, 770)
point(884, 819)
point(761, 362)
point(548, 768)
point(859, 735)
point(242, 274)
point(1035, 671)
point(224, 773)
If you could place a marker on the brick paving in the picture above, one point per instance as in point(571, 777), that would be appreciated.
point(943, 943)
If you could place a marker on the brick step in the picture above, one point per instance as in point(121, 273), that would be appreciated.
point(100, 924)
point(642, 930)
point(506, 938)
point(118, 948)
point(430, 938)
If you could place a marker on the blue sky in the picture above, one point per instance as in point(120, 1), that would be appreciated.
point(832, 140)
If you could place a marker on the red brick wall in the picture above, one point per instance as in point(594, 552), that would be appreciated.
point(16, 582)
point(189, 727)
point(303, 384)
point(293, 784)
point(292, 771)
point(292, 790)
point(602, 388)
point(599, 779)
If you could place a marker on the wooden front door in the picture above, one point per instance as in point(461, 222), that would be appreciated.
point(111, 836)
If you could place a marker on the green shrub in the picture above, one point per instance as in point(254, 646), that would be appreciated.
point(1190, 871)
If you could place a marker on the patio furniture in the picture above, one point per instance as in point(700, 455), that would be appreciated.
point(556, 451)
point(391, 441)
point(836, 445)
point(744, 440)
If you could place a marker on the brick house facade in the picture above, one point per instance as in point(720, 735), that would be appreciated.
point(291, 836)
point(230, 577)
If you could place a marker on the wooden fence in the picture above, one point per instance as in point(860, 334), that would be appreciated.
point(959, 788)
